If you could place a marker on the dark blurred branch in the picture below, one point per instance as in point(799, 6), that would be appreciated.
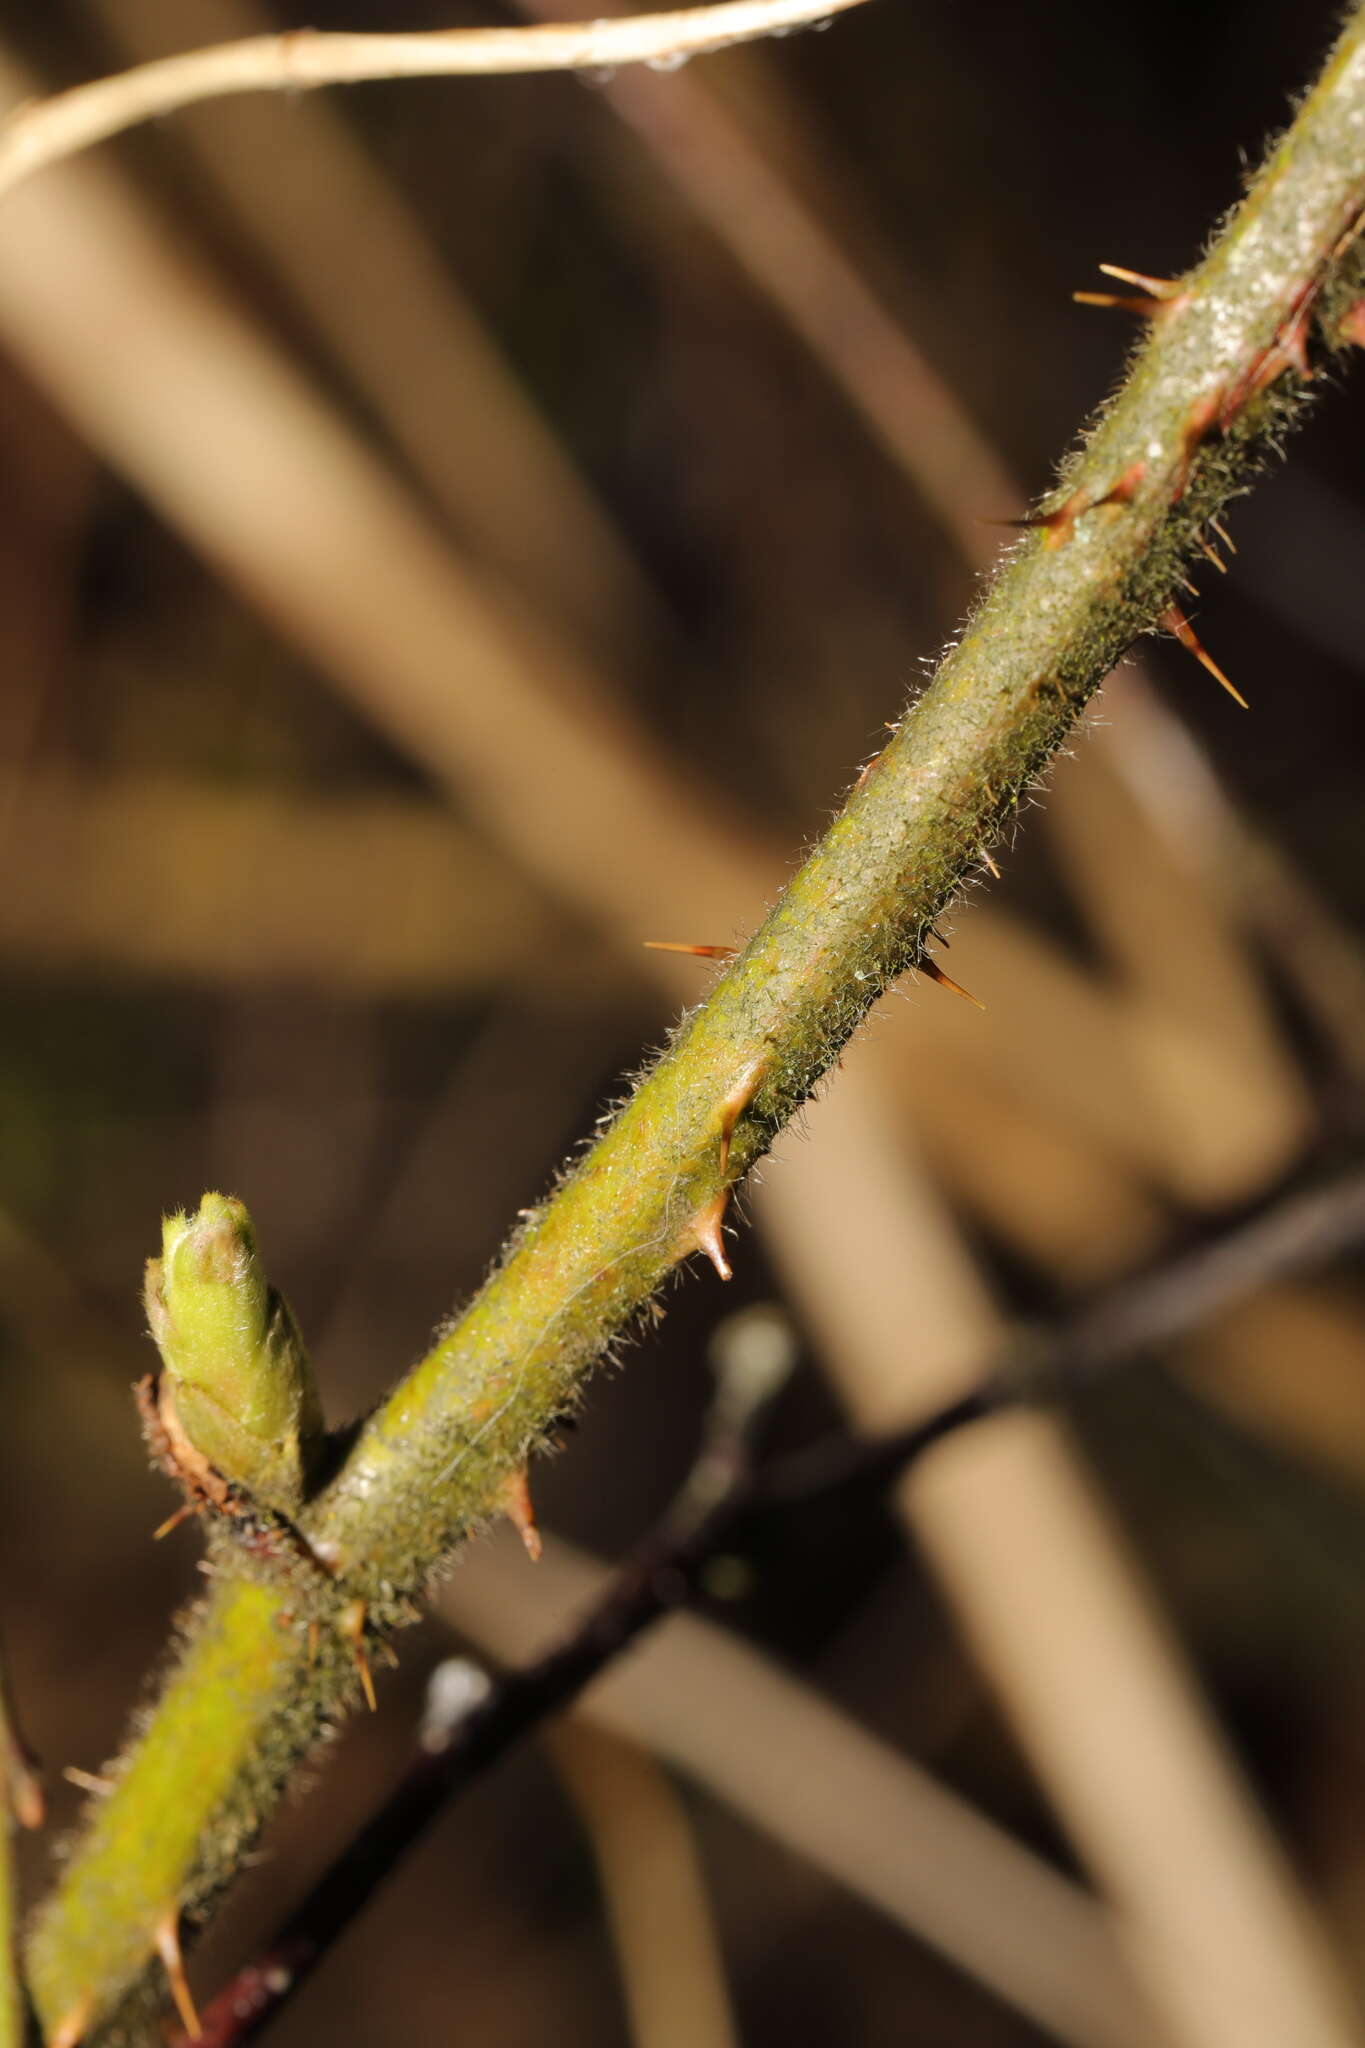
point(471, 1726)
point(1219, 378)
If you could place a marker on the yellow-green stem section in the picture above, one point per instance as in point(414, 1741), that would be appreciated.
point(1182, 437)
point(11, 1996)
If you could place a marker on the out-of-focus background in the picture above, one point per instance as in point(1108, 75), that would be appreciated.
point(452, 532)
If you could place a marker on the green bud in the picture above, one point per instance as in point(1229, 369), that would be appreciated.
point(235, 1366)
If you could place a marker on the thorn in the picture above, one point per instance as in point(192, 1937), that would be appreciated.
point(1292, 340)
point(1119, 302)
point(704, 1233)
point(167, 1939)
point(864, 774)
point(682, 946)
point(1186, 584)
point(1351, 326)
point(1165, 288)
point(182, 1514)
point(88, 1781)
point(1211, 554)
point(352, 1626)
point(1205, 416)
point(1288, 351)
point(1061, 522)
point(27, 1801)
point(927, 965)
point(989, 864)
point(1173, 620)
point(69, 2031)
point(1228, 542)
point(1164, 295)
point(513, 1499)
point(736, 1102)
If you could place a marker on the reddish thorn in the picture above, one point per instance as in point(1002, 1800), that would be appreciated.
point(864, 773)
point(1125, 489)
point(1204, 416)
point(1351, 326)
point(1173, 620)
point(1288, 351)
point(69, 2031)
point(1061, 522)
point(926, 965)
point(167, 1939)
point(1294, 344)
point(704, 1233)
point(352, 1626)
point(737, 1101)
point(513, 1499)
point(682, 946)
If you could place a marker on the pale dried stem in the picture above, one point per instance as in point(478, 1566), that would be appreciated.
point(298, 60)
point(653, 1889)
point(803, 1772)
point(395, 317)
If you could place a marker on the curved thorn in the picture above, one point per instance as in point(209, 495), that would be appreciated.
point(737, 1101)
point(167, 1939)
point(927, 965)
point(513, 1499)
point(704, 1233)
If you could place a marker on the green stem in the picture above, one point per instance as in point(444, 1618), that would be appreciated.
point(21, 1802)
point(1209, 390)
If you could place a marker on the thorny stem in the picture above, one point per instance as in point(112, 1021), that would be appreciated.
point(1219, 377)
point(1299, 1233)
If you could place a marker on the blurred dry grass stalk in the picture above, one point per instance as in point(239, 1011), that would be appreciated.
point(1165, 1078)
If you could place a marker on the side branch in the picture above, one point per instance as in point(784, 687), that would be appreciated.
point(43, 131)
point(1220, 375)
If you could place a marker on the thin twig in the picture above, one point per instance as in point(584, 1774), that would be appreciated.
point(1299, 1233)
point(46, 130)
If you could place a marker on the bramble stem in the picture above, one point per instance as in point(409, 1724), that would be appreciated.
point(1219, 376)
